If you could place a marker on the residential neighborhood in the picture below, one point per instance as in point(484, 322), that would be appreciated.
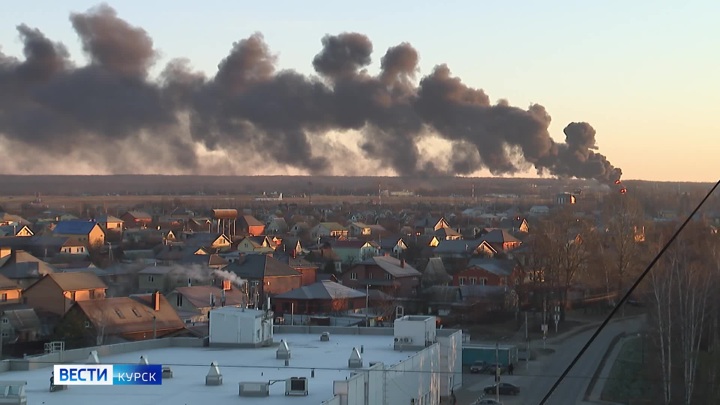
point(148, 271)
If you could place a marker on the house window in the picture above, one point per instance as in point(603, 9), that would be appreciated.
point(81, 249)
point(473, 280)
point(5, 321)
point(483, 281)
point(388, 276)
point(179, 300)
point(5, 334)
point(151, 279)
point(3, 297)
point(119, 313)
point(136, 312)
point(461, 280)
point(353, 276)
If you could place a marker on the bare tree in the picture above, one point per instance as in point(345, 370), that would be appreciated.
point(623, 235)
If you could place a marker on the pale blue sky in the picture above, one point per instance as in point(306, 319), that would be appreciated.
point(645, 74)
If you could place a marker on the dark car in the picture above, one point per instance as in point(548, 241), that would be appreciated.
point(492, 368)
point(486, 401)
point(505, 389)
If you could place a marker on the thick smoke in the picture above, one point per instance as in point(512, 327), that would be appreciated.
point(113, 114)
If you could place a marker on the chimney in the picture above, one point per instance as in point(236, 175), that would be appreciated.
point(156, 300)
point(189, 282)
point(402, 263)
point(226, 285)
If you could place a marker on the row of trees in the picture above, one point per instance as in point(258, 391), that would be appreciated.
point(603, 255)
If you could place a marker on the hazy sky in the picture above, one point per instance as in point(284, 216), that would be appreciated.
point(645, 74)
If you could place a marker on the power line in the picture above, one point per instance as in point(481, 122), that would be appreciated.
point(628, 293)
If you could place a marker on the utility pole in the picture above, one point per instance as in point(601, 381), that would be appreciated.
point(367, 304)
point(527, 340)
point(497, 371)
point(154, 327)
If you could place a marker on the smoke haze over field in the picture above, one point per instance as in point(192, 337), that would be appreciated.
point(111, 116)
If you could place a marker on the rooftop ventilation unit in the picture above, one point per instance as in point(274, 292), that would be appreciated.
point(93, 358)
point(254, 389)
point(144, 360)
point(325, 337)
point(296, 386)
point(213, 376)
point(355, 360)
point(283, 351)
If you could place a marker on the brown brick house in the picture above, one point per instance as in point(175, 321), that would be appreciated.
point(388, 274)
point(56, 293)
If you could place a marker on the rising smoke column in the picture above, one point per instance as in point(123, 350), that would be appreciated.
point(250, 108)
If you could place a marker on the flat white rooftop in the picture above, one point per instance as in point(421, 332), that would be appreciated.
point(191, 365)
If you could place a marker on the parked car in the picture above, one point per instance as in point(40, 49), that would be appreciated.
point(505, 389)
point(479, 367)
point(486, 401)
point(490, 368)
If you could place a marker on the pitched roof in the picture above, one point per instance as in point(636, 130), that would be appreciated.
point(257, 266)
point(107, 218)
point(457, 246)
point(199, 295)
point(322, 290)
point(77, 280)
point(21, 264)
point(251, 221)
point(392, 266)
point(139, 215)
point(500, 267)
point(21, 317)
point(74, 227)
point(332, 226)
point(7, 284)
point(131, 314)
point(499, 236)
point(352, 244)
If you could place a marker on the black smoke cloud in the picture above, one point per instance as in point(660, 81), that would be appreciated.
point(49, 105)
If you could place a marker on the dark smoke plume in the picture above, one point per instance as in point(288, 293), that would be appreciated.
point(113, 114)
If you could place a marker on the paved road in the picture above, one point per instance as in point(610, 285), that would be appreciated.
point(536, 378)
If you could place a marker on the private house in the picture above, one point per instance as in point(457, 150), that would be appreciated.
point(210, 240)
point(88, 232)
point(136, 219)
point(329, 229)
point(12, 219)
point(19, 323)
point(290, 246)
point(138, 317)
point(277, 226)
point(492, 272)
point(266, 276)
point(501, 240)
point(22, 267)
point(15, 230)
point(309, 271)
point(565, 199)
point(358, 229)
point(458, 249)
point(255, 244)
point(194, 303)
point(323, 297)
point(167, 278)
point(10, 291)
point(466, 303)
point(435, 273)
point(110, 223)
point(448, 234)
point(353, 251)
point(430, 225)
point(394, 277)
point(250, 225)
point(73, 246)
point(515, 225)
point(56, 293)
point(392, 245)
point(299, 228)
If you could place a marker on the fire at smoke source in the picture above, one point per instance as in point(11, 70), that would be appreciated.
point(51, 107)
